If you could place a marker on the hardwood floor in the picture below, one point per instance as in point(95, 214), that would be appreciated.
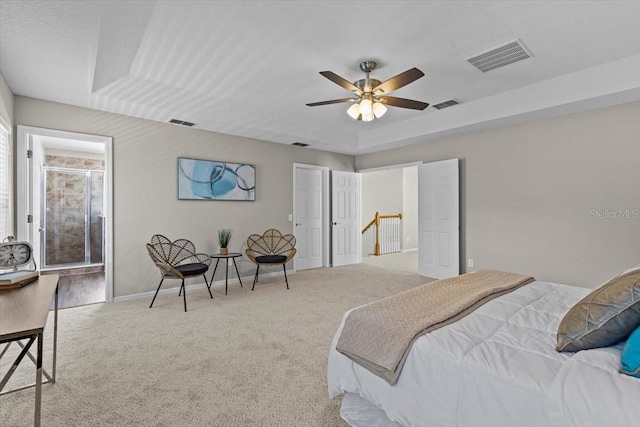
point(87, 287)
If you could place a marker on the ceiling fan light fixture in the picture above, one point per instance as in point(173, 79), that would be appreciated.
point(371, 94)
point(365, 107)
point(379, 109)
point(368, 117)
point(354, 111)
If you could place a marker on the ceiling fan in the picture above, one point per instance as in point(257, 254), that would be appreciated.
point(371, 93)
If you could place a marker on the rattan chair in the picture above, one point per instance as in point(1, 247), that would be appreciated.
point(177, 260)
point(270, 248)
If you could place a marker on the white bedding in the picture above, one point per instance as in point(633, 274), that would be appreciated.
point(498, 367)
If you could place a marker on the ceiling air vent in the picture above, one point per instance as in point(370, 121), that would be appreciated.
point(500, 56)
point(181, 122)
point(300, 144)
point(445, 104)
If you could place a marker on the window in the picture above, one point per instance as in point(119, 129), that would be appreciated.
point(5, 181)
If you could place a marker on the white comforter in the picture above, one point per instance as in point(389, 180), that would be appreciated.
point(499, 367)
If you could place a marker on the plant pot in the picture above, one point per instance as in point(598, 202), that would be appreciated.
point(224, 251)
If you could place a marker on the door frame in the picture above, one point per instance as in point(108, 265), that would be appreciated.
point(23, 134)
point(396, 166)
point(325, 210)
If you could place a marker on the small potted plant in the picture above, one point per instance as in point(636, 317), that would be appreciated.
point(224, 236)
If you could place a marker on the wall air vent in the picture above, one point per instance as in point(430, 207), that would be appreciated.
point(181, 122)
point(445, 104)
point(500, 56)
point(300, 144)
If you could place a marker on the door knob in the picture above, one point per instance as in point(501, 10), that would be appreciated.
point(298, 223)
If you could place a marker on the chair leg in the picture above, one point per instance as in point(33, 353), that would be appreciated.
point(255, 279)
point(156, 294)
point(184, 295)
point(208, 285)
point(284, 267)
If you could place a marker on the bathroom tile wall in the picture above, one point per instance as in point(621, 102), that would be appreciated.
point(74, 163)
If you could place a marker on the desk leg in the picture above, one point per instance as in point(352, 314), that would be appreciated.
point(237, 272)
point(55, 336)
point(36, 416)
point(25, 351)
point(226, 276)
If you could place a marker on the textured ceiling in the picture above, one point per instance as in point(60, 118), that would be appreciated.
point(248, 68)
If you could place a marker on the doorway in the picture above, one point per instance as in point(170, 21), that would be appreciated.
point(434, 206)
point(392, 192)
point(64, 210)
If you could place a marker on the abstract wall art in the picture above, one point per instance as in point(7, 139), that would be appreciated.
point(212, 180)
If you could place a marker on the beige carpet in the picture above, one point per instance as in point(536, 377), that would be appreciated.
point(247, 359)
point(405, 261)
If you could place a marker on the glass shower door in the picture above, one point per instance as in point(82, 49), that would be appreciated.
point(96, 218)
point(73, 201)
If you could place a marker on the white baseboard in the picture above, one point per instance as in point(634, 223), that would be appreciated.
point(175, 289)
point(410, 250)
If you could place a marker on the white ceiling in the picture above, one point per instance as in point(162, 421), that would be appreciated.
point(248, 68)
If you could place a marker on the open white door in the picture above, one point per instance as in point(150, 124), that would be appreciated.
point(345, 213)
point(30, 159)
point(438, 219)
point(308, 217)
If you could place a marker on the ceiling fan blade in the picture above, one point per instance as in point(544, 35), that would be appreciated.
point(403, 103)
point(333, 101)
point(396, 82)
point(340, 81)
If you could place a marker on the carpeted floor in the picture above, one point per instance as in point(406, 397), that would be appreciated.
point(246, 359)
point(405, 261)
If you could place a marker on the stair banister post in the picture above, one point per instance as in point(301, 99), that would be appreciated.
point(377, 233)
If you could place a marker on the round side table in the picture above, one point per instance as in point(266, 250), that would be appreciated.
point(218, 257)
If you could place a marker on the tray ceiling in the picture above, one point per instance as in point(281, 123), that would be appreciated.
point(248, 68)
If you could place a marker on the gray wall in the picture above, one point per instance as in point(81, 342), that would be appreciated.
point(531, 194)
point(381, 192)
point(145, 199)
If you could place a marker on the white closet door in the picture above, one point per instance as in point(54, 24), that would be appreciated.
point(345, 213)
point(308, 217)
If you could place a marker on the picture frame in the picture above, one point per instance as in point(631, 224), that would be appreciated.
point(200, 179)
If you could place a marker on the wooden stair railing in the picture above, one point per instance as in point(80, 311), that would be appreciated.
point(376, 221)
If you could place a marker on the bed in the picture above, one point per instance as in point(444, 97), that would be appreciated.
point(498, 366)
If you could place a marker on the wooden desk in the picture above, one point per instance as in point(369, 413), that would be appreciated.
point(23, 315)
